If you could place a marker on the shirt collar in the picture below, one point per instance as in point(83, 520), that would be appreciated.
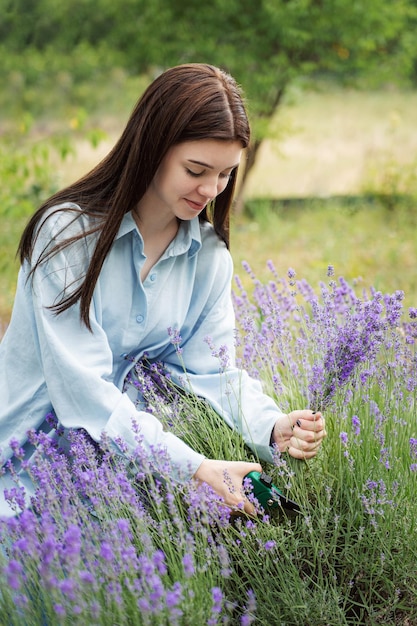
point(188, 237)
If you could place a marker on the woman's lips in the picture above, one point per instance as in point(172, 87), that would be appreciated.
point(196, 206)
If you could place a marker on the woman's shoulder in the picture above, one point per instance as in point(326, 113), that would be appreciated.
point(65, 223)
point(63, 226)
point(210, 239)
point(214, 255)
point(62, 221)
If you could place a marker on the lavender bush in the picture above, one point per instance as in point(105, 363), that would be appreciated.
point(109, 540)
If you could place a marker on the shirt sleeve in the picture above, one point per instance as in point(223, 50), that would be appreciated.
point(207, 365)
point(77, 364)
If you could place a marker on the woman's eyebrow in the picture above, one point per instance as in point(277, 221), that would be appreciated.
point(211, 167)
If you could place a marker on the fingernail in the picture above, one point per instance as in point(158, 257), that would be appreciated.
point(298, 423)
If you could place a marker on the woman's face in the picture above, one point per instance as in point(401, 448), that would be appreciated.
point(191, 174)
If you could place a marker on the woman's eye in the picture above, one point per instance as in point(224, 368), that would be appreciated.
point(192, 173)
point(222, 176)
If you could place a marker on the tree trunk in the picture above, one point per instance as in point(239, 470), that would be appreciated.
point(252, 153)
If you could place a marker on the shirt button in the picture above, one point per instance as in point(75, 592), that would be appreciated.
point(139, 319)
point(152, 277)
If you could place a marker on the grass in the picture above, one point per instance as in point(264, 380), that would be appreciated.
point(338, 142)
point(369, 244)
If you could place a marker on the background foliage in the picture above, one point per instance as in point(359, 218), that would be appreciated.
point(265, 45)
point(69, 69)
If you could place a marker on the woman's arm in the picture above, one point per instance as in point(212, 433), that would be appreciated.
point(207, 367)
point(77, 365)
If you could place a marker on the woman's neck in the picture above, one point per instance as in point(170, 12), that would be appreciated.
point(156, 235)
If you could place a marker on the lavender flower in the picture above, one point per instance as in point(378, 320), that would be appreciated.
point(14, 571)
point(375, 499)
point(356, 425)
point(217, 603)
point(221, 353)
point(175, 338)
point(188, 563)
point(248, 616)
point(413, 453)
point(291, 273)
point(349, 341)
point(344, 438)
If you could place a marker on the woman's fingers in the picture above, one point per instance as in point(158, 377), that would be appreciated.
point(226, 478)
point(308, 432)
point(303, 454)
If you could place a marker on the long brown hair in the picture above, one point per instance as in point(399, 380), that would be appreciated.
point(185, 103)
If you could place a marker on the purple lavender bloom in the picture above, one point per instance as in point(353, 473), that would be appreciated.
point(247, 268)
point(18, 452)
point(175, 338)
point(221, 353)
point(352, 335)
point(159, 562)
point(375, 499)
point(217, 604)
point(344, 438)
point(86, 577)
point(174, 596)
point(188, 564)
point(272, 269)
point(356, 425)
point(13, 571)
point(248, 616)
point(16, 498)
point(68, 588)
point(106, 551)
point(413, 453)
point(393, 305)
point(224, 561)
point(157, 588)
point(71, 546)
point(384, 457)
point(59, 610)
point(173, 600)
point(144, 605)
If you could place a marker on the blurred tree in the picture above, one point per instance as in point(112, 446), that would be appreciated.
point(268, 43)
point(265, 44)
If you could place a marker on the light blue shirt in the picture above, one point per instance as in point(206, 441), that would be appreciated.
point(53, 362)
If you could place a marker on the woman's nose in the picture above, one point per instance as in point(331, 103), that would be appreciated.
point(209, 188)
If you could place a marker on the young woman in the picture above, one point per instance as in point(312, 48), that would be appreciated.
point(109, 264)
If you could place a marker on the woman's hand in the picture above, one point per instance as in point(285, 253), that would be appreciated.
point(226, 478)
point(300, 433)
